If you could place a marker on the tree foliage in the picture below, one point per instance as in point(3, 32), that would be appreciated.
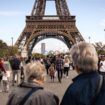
point(12, 50)
point(3, 49)
point(6, 50)
point(37, 55)
point(100, 47)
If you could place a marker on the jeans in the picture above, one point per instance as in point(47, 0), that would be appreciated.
point(15, 73)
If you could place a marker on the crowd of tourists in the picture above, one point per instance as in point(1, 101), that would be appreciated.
point(12, 70)
point(87, 88)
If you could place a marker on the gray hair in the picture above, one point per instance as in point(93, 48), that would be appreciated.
point(84, 57)
point(35, 71)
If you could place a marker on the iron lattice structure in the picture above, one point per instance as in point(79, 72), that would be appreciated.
point(40, 26)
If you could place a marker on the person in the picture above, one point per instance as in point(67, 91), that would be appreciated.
point(102, 65)
point(6, 77)
point(2, 71)
point(84, 88)
point(59, 67)
point(22, 64)
point(35, 74)
point(15, 65)
point(47, 63)
point(51, 71)
point(66, 66)
point(28, 60)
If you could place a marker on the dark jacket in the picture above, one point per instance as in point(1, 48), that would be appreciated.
point(83, 89)
point(40, 97)
point(15, 64)
point(59, 64)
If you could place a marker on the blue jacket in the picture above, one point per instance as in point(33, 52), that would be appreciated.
point(15, 64)
point(83, 89)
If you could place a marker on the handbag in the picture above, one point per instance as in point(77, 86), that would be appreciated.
point(4, 78)
point(55, 74)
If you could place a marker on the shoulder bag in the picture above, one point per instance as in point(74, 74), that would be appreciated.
point(98, 90)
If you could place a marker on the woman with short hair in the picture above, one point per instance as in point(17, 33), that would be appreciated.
point(88, 88)
point(31, 92)
point(2, 71)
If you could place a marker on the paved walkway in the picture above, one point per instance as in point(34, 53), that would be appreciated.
point(56, 87)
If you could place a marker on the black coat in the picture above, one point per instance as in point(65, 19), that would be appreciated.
point(83, 89)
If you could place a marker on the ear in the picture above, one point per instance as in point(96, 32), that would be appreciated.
point(43, 78)
point(77, 69)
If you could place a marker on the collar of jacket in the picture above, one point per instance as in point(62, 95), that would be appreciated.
point(86, 75)
point(30, 85)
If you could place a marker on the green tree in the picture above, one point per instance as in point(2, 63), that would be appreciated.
point(6, 50)
point(3, 49)
point(100, 47)
point(12, 50)
point(37, 55)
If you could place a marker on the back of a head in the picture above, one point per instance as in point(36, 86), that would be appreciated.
point(84, 57)
point(102, 57)
point(34, 71)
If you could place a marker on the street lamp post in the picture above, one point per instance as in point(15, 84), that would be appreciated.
point(12, 41)
point(12, 46)
point(104, 29)
point(89, 39)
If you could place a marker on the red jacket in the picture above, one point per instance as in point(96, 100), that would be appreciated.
point(1, 67)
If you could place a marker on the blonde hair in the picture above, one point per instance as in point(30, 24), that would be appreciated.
point(84, 57)
point(35, 71)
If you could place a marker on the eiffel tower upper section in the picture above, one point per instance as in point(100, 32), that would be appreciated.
point(38, 11)
point(39, 8)
point(40, 26)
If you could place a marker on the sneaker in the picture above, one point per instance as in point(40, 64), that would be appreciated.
point(64, 75)
point(67, 77)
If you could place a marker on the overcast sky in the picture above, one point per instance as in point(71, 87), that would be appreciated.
point(90, 20)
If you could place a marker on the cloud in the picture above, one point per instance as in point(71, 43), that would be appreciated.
point(103, 23)
point(103, 9)
point(10, 13)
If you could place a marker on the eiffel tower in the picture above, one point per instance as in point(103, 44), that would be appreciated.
point(40, 26)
